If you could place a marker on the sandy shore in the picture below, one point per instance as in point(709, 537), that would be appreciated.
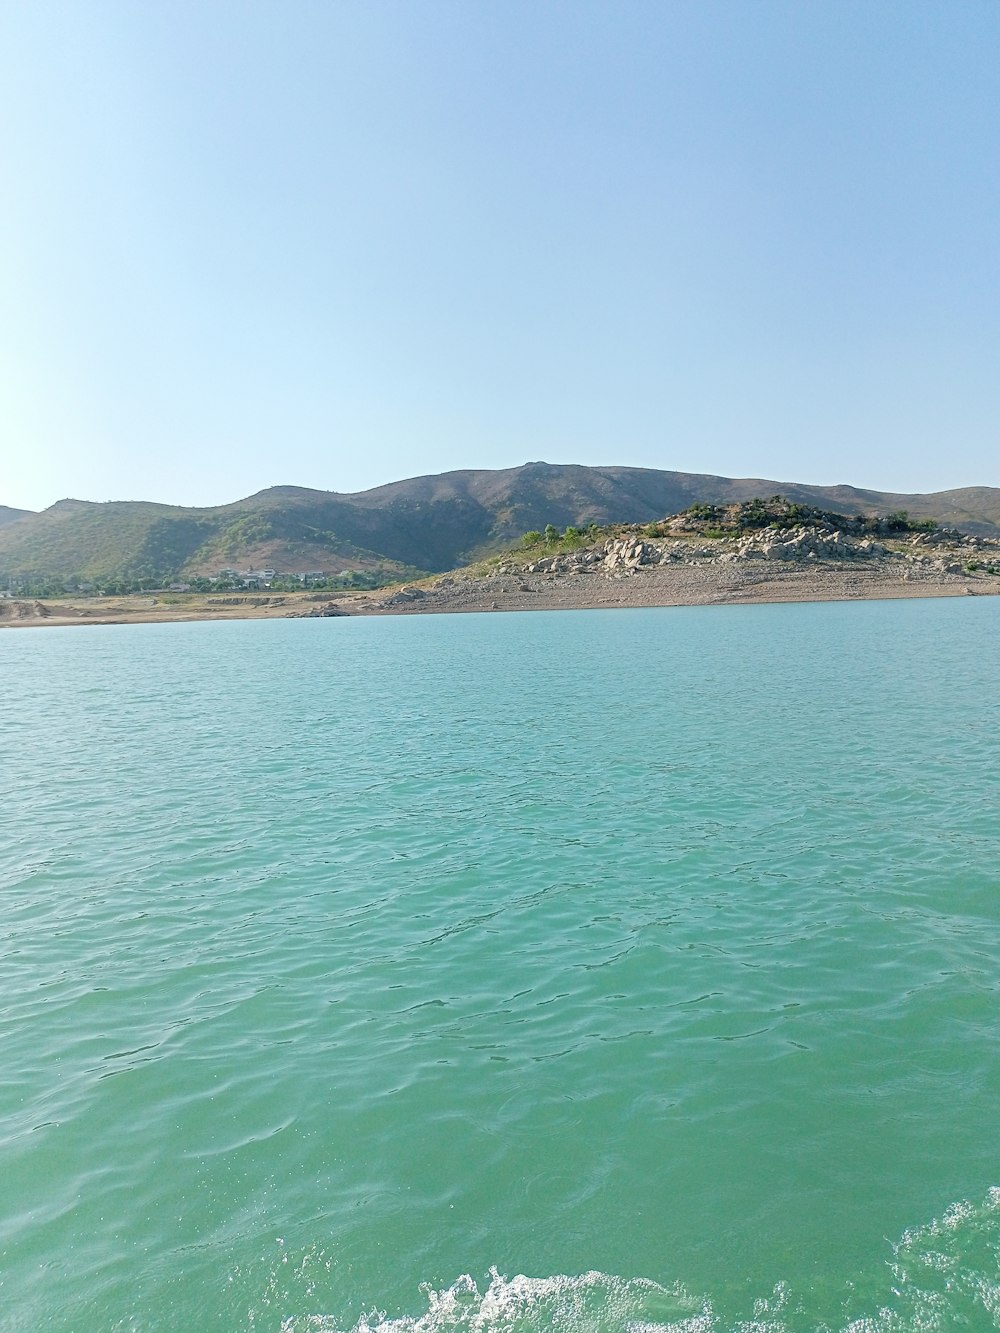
point(708, 584)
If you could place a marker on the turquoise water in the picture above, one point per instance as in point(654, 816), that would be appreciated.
point(582, 971)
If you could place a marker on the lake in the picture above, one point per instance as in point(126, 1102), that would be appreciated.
point(584, 971)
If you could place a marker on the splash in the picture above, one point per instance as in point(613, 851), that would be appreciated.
point(942, 1277)
point(588, 1303)
point(946, 1274)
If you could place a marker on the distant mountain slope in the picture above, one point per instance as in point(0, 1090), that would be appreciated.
point(431, 523)
point(519, 499)
point(76, 538)
point(8, 515)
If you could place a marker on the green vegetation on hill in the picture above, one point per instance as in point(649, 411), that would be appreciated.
point(778, 512)
point(8, 515)
point(124, 547)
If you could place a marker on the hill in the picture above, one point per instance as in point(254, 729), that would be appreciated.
point(8, 515)
point(424, 524)
point(759, 550)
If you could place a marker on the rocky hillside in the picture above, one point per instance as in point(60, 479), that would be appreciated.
point(758, 550)
point(427, 524)
point(945, 551)
point(771, 530)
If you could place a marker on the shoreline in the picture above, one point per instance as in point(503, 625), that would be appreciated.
point(709, 584)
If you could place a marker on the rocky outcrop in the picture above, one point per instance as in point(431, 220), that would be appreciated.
point(945, 551)
point(811, 561)
point(634, 568)
point(405, 595)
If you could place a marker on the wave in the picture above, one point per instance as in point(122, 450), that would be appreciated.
point(943, 1276)
point(589, 1301)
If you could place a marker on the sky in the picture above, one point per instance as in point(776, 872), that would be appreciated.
point(338, 243)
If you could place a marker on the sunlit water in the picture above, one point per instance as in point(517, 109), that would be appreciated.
point(577, 971)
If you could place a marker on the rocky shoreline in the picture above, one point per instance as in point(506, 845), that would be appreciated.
point(770, 565)
point(627, 569)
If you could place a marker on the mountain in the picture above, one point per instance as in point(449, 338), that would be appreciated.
point(431, 523)
point(8, 515)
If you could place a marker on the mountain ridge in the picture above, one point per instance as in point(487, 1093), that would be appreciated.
point(430, 523)
point(8, 515)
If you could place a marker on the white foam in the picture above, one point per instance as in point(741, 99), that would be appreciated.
point(943, 1275)
point(588, 1303)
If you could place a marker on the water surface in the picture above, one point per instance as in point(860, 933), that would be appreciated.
point(583, 971)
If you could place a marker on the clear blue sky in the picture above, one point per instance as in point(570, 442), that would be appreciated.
point(340, 242)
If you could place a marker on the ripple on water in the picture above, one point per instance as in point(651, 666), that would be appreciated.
point(423, 957)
